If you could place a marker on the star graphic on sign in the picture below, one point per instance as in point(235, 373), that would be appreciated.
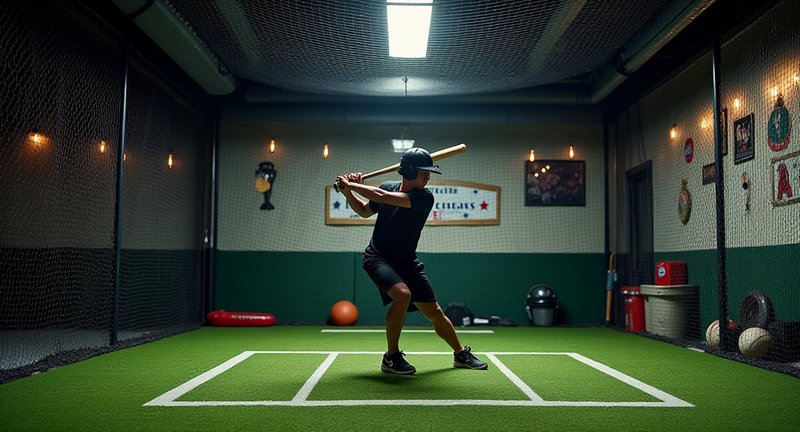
point(336, 205)
point(484, 205)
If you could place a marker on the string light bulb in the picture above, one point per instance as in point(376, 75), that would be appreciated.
point(272, 145)
point(169, 160)
point(673, 133)
point(532, 157)
point(737, 103)
point(325, 151)
point(774, 91)
point(102, 147)
point(571, 152)
point(37, 138)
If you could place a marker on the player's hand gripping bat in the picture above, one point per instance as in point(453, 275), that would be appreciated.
point(441, 154)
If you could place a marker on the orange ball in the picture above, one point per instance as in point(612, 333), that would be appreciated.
point(344, 313)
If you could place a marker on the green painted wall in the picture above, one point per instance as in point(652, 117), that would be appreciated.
point(300, 287)
point(778, 279)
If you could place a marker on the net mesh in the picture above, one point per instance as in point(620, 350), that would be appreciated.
point(61, 101)
point(484, 46)
point(758, 296)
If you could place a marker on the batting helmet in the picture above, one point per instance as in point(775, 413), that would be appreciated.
point(414, 159)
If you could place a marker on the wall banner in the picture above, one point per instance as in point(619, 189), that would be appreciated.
point(786, 179)
point(455, 203)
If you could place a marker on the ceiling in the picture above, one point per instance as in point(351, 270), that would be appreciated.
point(575, 51)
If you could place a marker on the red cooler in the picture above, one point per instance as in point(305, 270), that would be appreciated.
point(671, 273)
point(634, 309)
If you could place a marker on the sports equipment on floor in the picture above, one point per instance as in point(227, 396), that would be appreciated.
point(755, 342)
point(344, 313)
point(712, 332)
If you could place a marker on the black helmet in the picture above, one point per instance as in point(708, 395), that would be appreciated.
point(414, 159)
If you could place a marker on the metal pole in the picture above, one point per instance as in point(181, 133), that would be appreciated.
point(211, 247)
point(119, 195)
point(725, 337)
point(606, 227)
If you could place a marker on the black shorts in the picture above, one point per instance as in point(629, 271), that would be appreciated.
point(386, 275)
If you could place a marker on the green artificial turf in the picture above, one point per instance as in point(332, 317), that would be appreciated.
point(109, 392)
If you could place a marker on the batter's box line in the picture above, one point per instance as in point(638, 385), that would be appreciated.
point(300, 399)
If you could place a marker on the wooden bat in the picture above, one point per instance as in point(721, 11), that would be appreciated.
point(611, 277)
point(441, 154)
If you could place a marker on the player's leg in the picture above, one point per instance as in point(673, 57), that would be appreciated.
point(395, 293)
point(462, 357)
point(396, 317)
point(393, 360)
point(441, 324)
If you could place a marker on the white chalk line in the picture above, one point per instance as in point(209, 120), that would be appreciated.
point(300, 399)
point(404, 331)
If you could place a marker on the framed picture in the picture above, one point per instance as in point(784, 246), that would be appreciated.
point(784, 169)
point(723, 130)
point(709, 173)
point(555, 183)
point(743, 134)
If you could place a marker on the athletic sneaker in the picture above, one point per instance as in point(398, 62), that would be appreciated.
point(396, 364)
point(465, 359)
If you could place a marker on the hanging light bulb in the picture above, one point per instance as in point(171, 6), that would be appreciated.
point(325, 151)
point(272, 145)
point(37, 138)
point(737, 103)
point(102, 147)
point(169, 160)
point(532, 157)
point(673, 133)
point(571, 153)
point(774, 91)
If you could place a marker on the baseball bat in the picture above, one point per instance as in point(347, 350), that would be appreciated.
point(441, 154)
point(611, 277)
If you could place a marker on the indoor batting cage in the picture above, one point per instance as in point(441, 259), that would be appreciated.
point(105, 183)
point(222, 197)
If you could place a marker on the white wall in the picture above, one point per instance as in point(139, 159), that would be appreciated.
point(758, 59)
point(495, 155)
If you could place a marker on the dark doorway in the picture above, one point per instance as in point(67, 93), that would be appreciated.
point(640, 213)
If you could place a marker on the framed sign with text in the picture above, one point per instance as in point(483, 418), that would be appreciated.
point(455, 203)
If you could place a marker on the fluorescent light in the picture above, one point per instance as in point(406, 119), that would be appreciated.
point(401, 145)
point(409, 23)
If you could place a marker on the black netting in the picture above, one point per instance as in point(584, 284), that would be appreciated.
point(675, 174)
point(61, 96)
point(473, 47)
point(162, 225)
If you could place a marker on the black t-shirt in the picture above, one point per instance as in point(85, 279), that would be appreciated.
point(397, 229)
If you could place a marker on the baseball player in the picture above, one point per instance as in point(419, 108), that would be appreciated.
point(391, 262)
